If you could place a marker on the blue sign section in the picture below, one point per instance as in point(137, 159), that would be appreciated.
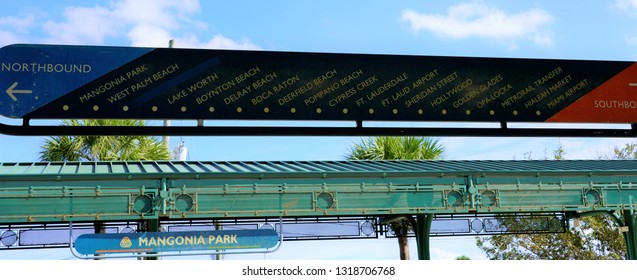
point(34, 75)
point(150, 242)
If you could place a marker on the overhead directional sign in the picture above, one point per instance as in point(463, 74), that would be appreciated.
point(67, 82)
point(149, 242)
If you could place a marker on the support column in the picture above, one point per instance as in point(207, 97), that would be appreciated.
point(422, 229)
point(218, 226)
point(100, 227)
point(151, 225)
point(630, 236)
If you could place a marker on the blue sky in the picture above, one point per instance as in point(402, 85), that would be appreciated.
point(582, 29)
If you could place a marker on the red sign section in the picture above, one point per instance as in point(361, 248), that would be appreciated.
point(614, 101)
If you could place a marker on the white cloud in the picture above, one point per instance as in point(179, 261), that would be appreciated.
point(630, 5)
point(478, 19)
point(17, 23)
point(162, 13)
point(153, 36)
point(219, 42)
point(629, 8)
point(148, 35)
point(8, 38)
point(83, 26)
point(145, 23)
point(12, 29)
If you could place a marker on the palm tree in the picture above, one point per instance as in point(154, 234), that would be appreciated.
point(398, 148)
point(107, 148)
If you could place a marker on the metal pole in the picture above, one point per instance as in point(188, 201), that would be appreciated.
point(152, 225)
point(100, 227)
point(166, 138)
point(630, 236)
point(218, 226)
point(422, 229)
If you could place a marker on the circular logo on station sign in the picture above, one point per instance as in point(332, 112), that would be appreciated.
point(126, 242)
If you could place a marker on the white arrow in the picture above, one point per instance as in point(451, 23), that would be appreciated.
point(11, 91)
point(633, 84)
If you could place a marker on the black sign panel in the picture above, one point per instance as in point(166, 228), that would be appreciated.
point(136, 83)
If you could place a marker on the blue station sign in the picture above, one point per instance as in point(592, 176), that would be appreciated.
point(76, 82)
point(152, 242)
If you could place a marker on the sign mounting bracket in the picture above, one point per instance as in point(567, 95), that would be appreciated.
point(356, 130)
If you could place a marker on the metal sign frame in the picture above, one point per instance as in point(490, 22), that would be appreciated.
point(356, 129)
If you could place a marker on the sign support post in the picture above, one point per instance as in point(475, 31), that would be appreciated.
point(166, 138)
point(423, 229)
point(630, 236)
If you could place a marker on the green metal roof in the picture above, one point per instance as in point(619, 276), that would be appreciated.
point(133, 190)
point(176, 168)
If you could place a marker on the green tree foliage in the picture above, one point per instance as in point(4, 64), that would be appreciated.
point(595, 238)
point(398, 148)
point(559, 153)
point(629, 151)
point(107, 148)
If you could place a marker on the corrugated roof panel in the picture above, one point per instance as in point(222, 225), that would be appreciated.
point(11, 168)
point(224, 167)
point(23, 167)
point(461, 165)
point(71, 168)
point(167, 167)
point(85, 168)
point(194, 166)
point(271, 167)
point(343, 166)
point(35, 168)
point(430, 166)
point(399, 166)
point(102, 167)
point(40, 168)
point(126, 167)
point(212, 166)
point(119, 168)
point(237, 166)
point(172, 167)
point(134, 167)
point(355, 166)
point(251, 166)
point(317, 166)
point(202, 167)
point(163, 167)
point(274, 166)
point(183, 167)
point(282, 166)
point(150, 167)
point(188, 167)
